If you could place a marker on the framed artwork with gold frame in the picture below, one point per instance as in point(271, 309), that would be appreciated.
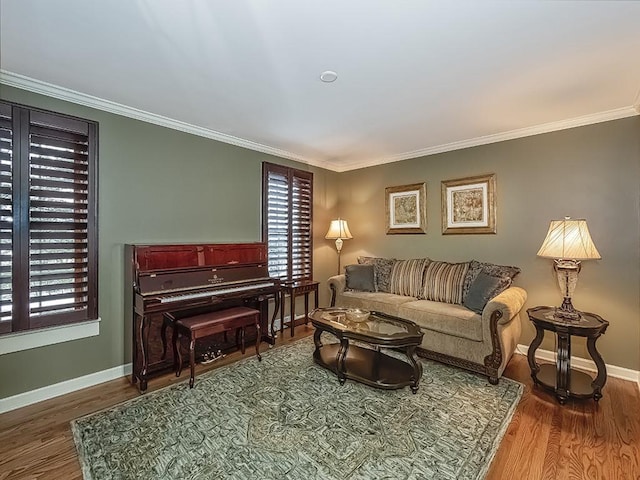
point(406, 208)
point(469, 205)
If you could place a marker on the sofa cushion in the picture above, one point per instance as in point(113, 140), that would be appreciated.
point(476, 267)
point(360, 277)
point(446, 318)
point(407, 277)
point(376, 301)
point(443, 281)
point(382, 271)
point(483, 289)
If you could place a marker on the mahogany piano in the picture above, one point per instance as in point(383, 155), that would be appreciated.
point(191, 277)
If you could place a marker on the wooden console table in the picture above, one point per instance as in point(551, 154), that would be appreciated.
point(561, 378)
point(295, 289)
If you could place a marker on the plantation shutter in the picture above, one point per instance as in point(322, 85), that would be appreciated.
point(301, 203)
point(287, 217)
point(6, 217)
point(51, 210)
point(59, 222)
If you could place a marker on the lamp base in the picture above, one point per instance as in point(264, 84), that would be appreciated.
point(567, 272)
point(567, 312)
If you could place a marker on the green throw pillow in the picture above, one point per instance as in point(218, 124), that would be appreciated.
point(360, 277)
point(483, 289)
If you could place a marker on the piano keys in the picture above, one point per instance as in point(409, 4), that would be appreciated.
point(186, 279)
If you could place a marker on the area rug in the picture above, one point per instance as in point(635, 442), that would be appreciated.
point(287, 418)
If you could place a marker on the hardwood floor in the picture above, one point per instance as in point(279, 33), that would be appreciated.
point(580, 440)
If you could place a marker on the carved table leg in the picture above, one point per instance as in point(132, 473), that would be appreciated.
point(601, 379)
point(340, 360)
point(417, 368)
point(316, 339)
point(531, 354)
point(563, 373)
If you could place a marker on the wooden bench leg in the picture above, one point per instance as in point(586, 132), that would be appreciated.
point(192, 360)
point(258, 339)
point(177, 355)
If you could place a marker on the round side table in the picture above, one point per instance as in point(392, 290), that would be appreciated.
point(560, 378)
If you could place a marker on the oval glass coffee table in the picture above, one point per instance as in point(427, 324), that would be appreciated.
point(364, 362)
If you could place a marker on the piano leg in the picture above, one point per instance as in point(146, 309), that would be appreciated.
point(134, 353)
point(144, 350)
point(276, 308)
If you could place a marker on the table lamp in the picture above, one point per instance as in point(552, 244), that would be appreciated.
point(568, 242)
point(338, 231)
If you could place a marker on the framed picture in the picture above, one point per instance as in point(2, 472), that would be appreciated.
point(469, 205)
point(406, 208)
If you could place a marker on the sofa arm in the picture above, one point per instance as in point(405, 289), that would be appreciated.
point(505, 306)
point(337, 284)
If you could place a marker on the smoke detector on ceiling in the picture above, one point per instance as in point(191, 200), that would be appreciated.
point(328, 76)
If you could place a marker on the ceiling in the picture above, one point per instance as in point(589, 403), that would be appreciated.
point(415, 77)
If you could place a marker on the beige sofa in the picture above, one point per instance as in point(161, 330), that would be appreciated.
point(453, 333)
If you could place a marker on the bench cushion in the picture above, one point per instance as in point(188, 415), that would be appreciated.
point(220, 316)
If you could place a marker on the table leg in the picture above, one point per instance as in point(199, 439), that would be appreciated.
point(282, 304)
point(417, 368)
point(292, 305)
point(563, 367)
point(316, 339)
point(340, 361)
point(531, 354)
point(306, 308)
point(315, 295)
point(601, 379)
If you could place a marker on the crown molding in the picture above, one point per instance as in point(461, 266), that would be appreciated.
point(599, 117)
point(36, 86)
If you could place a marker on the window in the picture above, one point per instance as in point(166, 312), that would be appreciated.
point(287, 204)
point(48, 223)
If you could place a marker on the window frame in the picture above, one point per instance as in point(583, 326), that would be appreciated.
point(291, 176)
point(30, 223)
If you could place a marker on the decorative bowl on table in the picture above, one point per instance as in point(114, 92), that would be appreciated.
point(357, 315)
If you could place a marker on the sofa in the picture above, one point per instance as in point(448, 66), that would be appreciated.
point(469, 312)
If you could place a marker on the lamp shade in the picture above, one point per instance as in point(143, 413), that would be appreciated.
point(338, 229)
point(568, 239)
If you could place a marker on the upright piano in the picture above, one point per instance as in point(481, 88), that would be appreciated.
point(191, 278)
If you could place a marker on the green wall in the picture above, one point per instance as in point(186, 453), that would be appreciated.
point(156, 185)
point(590, 172)
point(161, 185)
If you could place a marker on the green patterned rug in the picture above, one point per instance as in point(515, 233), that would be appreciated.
point(287, 418)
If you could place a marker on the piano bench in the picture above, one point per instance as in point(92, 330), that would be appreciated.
point(211, 323)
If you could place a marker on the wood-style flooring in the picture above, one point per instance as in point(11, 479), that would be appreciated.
point(580, 440)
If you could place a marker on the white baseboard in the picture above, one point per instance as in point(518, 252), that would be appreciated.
point(585, 364)
point(68, 386)
point(62, 388)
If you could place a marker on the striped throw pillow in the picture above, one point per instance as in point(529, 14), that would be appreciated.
point(407, 276)
point(443, 281)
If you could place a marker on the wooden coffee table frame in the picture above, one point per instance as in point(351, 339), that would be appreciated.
point(368, 365)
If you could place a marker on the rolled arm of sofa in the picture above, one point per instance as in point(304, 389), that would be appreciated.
point(507, 305)
point(337, 284)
